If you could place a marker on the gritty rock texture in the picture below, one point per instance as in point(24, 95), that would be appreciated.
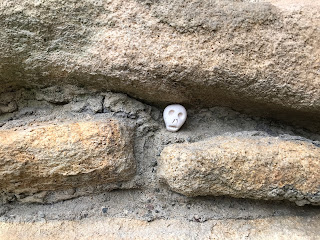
point(242, 167)
point(119, 228)
point(65, 156)
point(89, 206)
point(253, 56)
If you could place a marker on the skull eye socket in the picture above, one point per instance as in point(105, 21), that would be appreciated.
point(171, 112)
point(180, 115)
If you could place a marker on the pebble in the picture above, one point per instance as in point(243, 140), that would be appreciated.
point(104, 210)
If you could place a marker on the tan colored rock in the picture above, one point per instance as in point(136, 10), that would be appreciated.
point(253, 56)
point(285, 228)
point(55, 157)
point(244, 167)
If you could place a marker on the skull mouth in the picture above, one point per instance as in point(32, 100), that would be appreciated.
point(172, 128)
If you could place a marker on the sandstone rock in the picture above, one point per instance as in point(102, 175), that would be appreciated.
point(8, 102)
point(244, 167)
point(285, 227)
point(257, 57)
point(55, 157)
point(120, 103)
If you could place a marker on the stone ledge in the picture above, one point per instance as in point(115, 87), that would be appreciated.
point(244, 167)
point(56, 157)
point(285, 227)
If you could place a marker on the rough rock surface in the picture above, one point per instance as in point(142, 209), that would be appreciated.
point(141, 207)
point(286, 228)
point(254, 56)
point(68, 155)
point(256, 167)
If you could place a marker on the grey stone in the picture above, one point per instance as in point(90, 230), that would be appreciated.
point(257, 57)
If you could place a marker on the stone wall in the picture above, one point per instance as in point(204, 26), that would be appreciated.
point(84, 152)
point(256, 57)
point(113, 155)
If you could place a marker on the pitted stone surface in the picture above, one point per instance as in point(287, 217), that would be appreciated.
point(252, 56)
point(244, 167)
point(285, 228)
point(55, 157)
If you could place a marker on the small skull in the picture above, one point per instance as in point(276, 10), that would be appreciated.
point(174, 117)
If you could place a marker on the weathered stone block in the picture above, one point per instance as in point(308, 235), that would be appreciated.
point(244, 167)
point(252, 56)
point(55, 157)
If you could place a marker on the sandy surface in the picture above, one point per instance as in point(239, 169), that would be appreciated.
point(119, 228)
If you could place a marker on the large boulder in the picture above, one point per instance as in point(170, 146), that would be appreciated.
point(262, 58)
point(68, 155)
point(266, 168)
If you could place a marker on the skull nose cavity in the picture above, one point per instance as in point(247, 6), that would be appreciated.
point(175, 120)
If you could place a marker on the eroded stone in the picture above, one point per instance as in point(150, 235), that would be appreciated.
point(244, 167)
point(284, 227)
point(55, 157)
point(252, 56)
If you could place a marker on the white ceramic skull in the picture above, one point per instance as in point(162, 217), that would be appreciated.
point(174, 117)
